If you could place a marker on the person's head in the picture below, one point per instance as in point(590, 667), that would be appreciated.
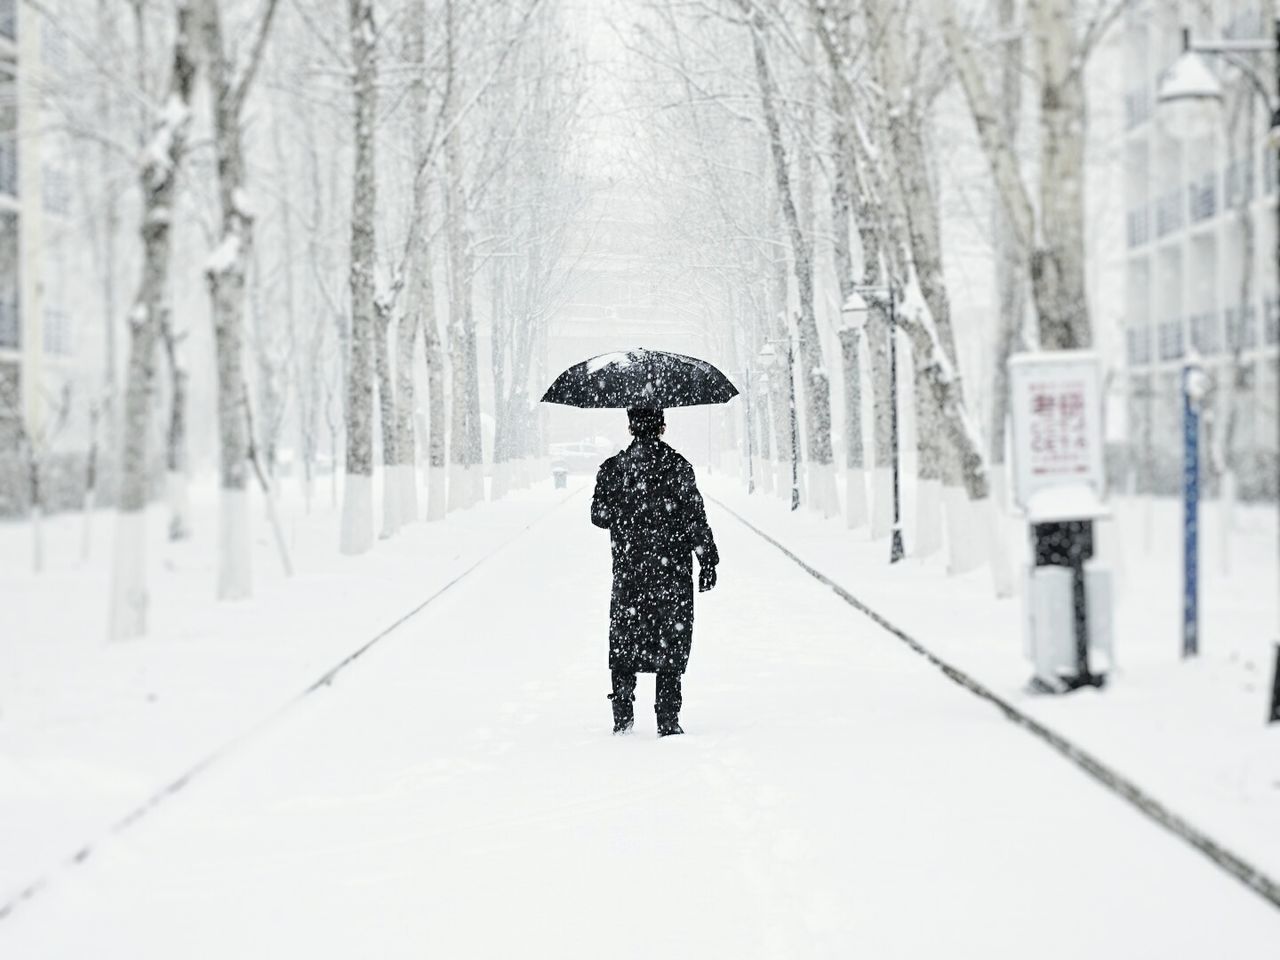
point(646, 422)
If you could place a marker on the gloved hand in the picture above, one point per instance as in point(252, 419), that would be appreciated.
point(706, 578)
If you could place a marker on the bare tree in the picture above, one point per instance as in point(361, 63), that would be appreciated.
point(817, 388)
point(161, 162)
point(225, 273)
point(1051, 233)
point(357, 508)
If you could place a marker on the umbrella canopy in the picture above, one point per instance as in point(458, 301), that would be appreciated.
point(641, 378)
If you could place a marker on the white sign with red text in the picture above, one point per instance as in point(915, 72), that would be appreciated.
point(1055, 404)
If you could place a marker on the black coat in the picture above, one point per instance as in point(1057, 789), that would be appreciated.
point(647, 498)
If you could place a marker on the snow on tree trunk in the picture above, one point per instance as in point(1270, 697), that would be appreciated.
point(418, 269)
point(855, 468)
point(941, 378)
point(850, 347)
point(500, 329)
point(357, 506)
point(1011, 281)
point(436, 413)
point(225, 272)
point(176, 459)
point(406, 441)
point(90, 482)
point(161, 160)
point(929, 476)
point(464, 433)
point(878, 332)
point(391, 498)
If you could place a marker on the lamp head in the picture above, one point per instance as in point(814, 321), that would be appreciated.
point(853, 314)
point(1190, 96)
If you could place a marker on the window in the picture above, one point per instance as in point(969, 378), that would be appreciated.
point(57, 332)
point(8, 135)
point(10, 403)
point(56, 190)
point(1137, 107)
point(10, 303)
point(1169, 212)
point(53, 47)
point(1139, 343)
point(9, 18)
point(1203, 194)
point(1139, 227)
point(1242, 332)
point(1206, 335)
point(1171, 345)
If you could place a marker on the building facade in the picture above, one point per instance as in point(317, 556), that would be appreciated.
point(1200, 273)
point(42, 402)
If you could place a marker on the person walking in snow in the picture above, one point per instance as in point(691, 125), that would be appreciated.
point(648, 500)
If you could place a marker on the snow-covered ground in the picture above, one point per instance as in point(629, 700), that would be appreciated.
point(89, 729)
point(1191, 732)
point(455, 792)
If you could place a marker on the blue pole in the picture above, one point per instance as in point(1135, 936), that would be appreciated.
point(1190, 513)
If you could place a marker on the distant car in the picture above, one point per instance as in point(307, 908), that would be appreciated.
point(583, 456)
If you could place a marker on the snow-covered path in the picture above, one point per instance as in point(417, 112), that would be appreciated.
point(456, 793)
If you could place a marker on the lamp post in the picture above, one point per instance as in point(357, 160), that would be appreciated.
point(1194, 387)
point(1193, 93)
point(855, 312)
point(768, 357)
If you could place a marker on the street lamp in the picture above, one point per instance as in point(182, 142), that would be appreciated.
point(768, 358)
point(1186, 84)
point(855, 312)
point(1190, 93)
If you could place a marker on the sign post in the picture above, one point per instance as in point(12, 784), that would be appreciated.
point(1060, 483)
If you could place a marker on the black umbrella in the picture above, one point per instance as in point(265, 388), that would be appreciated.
point(640, 378)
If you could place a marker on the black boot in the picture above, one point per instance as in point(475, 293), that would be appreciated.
point(668, 702)
point(624, 714)
point(623, 698)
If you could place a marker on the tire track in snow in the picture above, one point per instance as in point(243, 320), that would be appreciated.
point(82, 853)
point(1251, 876)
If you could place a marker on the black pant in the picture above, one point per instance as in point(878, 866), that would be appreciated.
point(668, 700)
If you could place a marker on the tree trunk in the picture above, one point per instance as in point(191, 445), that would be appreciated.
point(1058, 262)
point(176, 460)
point(161, 162)
point(855, 468)
point(436, 412)
point(930, 476)
point(1011, 266)
point(387, 419)
point(357, 507)
point(225, 274)
point(855, 464)
point(418, 269)
point(465, 429)
point(499, 335)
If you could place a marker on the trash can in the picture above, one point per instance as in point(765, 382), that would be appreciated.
point(1068, 596)
point(560, 474)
